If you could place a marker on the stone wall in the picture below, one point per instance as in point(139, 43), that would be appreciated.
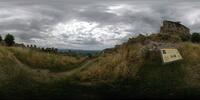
point(170, 27)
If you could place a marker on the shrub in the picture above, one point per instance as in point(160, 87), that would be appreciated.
point(139, 38)
point(165, 37)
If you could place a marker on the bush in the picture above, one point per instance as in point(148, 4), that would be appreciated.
point(195, 38)
point(164, 37)
point(139, 38)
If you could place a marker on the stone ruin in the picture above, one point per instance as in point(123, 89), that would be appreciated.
point(176, 28)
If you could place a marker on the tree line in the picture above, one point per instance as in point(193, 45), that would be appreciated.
point(9, 40)
point(50, 50)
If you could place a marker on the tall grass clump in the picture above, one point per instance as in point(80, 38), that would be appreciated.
point(111, 67)
point(41, 60)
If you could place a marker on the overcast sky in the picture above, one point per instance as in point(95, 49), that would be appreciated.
point(91, 24)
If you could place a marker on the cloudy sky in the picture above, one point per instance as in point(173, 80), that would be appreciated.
point(91, 24)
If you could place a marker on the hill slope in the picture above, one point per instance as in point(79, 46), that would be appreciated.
point(26, 73)
point(130, 70)
point(137, 69)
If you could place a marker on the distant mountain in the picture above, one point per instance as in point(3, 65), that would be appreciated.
point(78, 51)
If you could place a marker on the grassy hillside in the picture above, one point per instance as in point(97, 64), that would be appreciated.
point(136, 71)
point(133, 69)
point(42, 60)
point(26, 73)
point(129, 58)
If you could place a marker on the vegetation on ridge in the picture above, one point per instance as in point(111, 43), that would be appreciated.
point(133, 69)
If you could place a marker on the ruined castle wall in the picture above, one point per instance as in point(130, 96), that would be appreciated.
point(174, 28)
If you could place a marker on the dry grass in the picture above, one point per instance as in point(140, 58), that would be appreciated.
point(114, 66)
point(41, 60)
point(191, 63)
point(129, 63)
point(20, 80)
point(147, 76)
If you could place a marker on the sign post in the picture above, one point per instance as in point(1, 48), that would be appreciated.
point(170, 55)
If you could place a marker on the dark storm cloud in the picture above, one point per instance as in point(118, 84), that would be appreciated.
point(91, 24)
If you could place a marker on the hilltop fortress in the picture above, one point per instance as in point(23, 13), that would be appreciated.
point(175, 28)
point(169, 32)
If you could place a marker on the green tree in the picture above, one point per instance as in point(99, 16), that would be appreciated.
point(0, 38)
point(89, 55)
point(195, 38)
point(9, 39)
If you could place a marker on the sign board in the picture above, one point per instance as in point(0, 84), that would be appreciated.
point(170, 55)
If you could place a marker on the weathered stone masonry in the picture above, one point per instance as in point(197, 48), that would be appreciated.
point(176, 28)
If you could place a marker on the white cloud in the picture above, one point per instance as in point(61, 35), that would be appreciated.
point(13, 14)
point(121, 9)
point(193, 16)
point(77, 31)
point(95, 24)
